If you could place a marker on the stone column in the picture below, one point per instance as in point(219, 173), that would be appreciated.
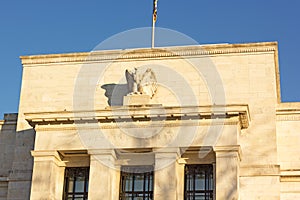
point(48, 176)
point(104, 176)
point(227, 172)
point(166, 178)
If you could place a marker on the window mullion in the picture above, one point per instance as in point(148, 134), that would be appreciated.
point(194, 183)
point(74, 188)
point(132, 191)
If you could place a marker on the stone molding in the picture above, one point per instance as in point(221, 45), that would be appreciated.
point(44, 155)
point(292, 175)
point(230, 151)
point(103, 152)
point(165, 52)
point(259, 170)
point(61, 158)
point(167, 153)
point(288, 112)
point(97, 126)
point(290, 178)
point(170, 116)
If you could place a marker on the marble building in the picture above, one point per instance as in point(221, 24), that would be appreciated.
point(187, 122)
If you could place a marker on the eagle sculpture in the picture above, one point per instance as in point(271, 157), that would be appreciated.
point(141, 83)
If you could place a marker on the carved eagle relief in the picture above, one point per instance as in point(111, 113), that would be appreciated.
point(141, 83)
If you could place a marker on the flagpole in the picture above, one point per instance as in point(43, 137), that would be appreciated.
point(153, 33)
point(154, 17)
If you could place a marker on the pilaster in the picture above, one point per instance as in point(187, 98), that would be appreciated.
point(104, 176)
point(48, 176)
point(168, 174)
point(227, 172)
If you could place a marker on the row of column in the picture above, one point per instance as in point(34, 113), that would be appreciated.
point(104, 179)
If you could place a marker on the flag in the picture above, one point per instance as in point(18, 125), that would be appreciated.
point(154, 10)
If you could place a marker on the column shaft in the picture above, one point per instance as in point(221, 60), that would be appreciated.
point(227, 174)
point(104, 178)
point(168, 178)
point(47, 179)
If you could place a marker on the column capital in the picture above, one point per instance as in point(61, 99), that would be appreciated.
point(106, 157)
point(231, 150)
point(102, 152)
point(182, 161)
point(47, 155)
point(166, 157)
point(167, 151)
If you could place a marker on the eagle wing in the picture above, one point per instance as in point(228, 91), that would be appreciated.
point(148, 83)
point(130, 80)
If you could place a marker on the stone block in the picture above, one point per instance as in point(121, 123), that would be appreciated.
point(136, 99)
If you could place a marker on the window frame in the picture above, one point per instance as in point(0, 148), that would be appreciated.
point(209, 181)
point(148, 180)
point(75, 172)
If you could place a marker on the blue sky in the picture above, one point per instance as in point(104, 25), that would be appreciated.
point(44, 27)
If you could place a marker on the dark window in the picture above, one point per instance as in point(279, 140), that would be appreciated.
point(136, 183)
point(76, 183)
point(198, 182)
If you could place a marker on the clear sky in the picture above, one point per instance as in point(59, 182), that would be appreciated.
point(59, 26)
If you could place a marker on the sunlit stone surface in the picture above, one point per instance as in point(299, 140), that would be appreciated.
point(214, 105)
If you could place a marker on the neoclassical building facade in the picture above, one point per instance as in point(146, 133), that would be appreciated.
point(187, 122)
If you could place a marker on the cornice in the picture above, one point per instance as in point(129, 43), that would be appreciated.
point(114, 116)
point(288, 112)
point(156, 53)
point(98, 125)
point(289, 178)
point(291, 175)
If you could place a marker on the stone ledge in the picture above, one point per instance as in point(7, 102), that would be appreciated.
point(143, 114)
point(260, 170)
point(290, 178)
point(98, 125)
point(163, 52)
point(288, 112)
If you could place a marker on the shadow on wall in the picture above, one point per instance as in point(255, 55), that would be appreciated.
point(115, 93)
point(16, 154)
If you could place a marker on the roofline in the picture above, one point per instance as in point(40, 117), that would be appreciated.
point(176, 51)
point(157, 53)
